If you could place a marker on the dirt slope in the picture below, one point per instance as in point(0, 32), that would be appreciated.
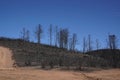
point(110, 74)
point(5, 58)
point(37, 74)
point(31, 74)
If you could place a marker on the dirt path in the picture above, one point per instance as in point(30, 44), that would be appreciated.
point(33, 74)
point(37, 74)
point(5, 58)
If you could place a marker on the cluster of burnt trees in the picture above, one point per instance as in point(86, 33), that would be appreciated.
point(61, 37)
point(29, 54)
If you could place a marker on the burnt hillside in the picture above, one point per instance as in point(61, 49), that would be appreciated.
point(32, 54)
point(111, 55)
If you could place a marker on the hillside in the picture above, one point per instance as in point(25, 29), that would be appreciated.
point(33, 54)
point(112, 56)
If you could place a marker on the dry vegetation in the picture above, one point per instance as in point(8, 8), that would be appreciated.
point(31, 54)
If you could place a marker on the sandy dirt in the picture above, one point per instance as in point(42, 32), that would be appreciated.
point(38, 74)
point(5, 58)
point(110, 74)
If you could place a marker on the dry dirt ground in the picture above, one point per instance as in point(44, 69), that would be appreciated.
point(5, 57)
point(38, 74)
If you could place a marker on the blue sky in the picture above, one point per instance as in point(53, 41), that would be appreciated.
point(95, 17)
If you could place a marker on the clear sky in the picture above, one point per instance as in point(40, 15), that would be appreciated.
point(95, 17)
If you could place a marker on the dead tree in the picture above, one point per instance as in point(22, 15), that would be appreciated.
point(73, 42)
point(112, 42)
point(70, 44)
point(97, 44)
point(113, 46)
point(89, 43)
point(63, 38)
point(50, 34)
point(25, 35)
point(56, 36)
point(38, 33)
point(84, 45)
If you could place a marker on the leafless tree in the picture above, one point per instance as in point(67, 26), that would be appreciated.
point(113, 46)
point(63, 38)
point(112, 42)
point(25, 34)
point(89, 43)
point(84, 45)
point(56, 36)
point(38, 33)
point(50, 34)
point(25, 37)
point(73, 42)
point(70, 44)
point(66, 36)
point(97, 44)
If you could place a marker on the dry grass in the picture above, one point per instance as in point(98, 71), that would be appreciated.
point(37, 74)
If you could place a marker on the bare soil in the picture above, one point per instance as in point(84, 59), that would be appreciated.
point(38, 74)
point(6, 58)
